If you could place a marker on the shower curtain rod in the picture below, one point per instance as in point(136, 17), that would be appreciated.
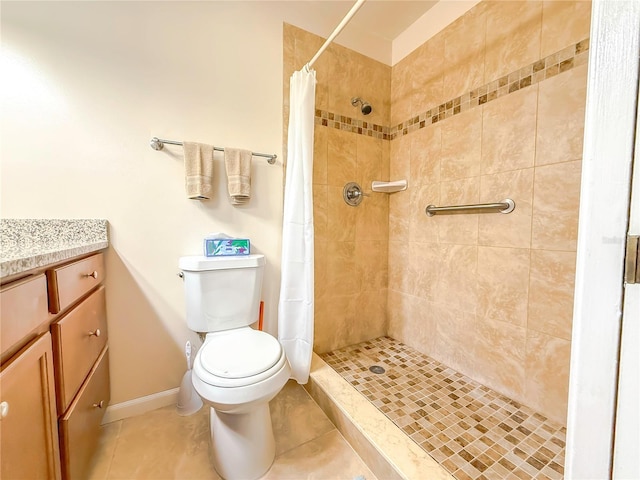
point(335, 33)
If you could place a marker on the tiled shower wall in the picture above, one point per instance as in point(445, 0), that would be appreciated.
point(351, 243)
point(491, 107)
point(491, 295)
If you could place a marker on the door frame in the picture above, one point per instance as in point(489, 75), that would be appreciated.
point(612, 94)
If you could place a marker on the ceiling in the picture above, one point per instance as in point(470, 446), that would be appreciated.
point(385, 19)
point(374, 29)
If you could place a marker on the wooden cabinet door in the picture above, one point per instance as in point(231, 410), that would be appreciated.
point(28, 428)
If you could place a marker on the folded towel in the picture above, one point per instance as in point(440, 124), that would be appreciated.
point(198, 167)
point(238, 165)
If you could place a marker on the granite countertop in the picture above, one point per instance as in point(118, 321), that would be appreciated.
point(35, 243)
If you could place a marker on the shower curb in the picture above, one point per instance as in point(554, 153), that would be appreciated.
point(386, 450)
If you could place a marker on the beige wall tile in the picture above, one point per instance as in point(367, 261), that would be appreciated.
point(458, 228)
point(341, 265)
point(456, 335)
point(551, 292)
point(427, 75)
point(372, 265)
point(556, 201)
point(400, 215)
point(422, 228)
point(372, 218)
point(426, 145)
point(500, 355)
point(513, 36)
point(320, 151)
point(427, 270)
point(513, 229)
point(371, 315)
point(412, 321)
point(503, 284)
point(509, 131)
point(400, 151)
point(341, 218)
point(461, 145)
point(464, 52)
point(373, 84)
point(320, 218)
point(457, 283)
point(564, 23)
point(369, 160)
point(561, 109)
point(401, 90)
point(341, 157)
point(343, 78)
point(339, 312)
point(547, 374)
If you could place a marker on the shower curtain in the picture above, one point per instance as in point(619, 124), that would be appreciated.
point(295, 308)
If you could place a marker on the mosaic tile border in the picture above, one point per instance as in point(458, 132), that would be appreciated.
point(353, 125)
point(472, 431)
point(570, 57)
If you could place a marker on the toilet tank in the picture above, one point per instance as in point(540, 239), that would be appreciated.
point(222, 293)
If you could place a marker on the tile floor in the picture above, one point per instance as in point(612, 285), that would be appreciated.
point(474, 432)
point(162, 445)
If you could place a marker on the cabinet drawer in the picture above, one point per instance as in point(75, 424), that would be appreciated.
point(78, 339)
point(80, 426)
point(70, 282)
point(23, 308)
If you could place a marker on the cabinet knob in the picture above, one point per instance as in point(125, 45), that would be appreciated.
point(95, 333)
point(99, 404)
point(4, 409)
point(93, 274)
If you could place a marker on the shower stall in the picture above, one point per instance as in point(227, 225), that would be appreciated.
point(469, 315)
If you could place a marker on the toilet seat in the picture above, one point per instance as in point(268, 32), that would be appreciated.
point(239, 357)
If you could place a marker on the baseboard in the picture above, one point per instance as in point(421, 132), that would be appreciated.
point(140, 405)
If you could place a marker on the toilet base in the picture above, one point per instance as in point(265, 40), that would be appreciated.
point(243, 447)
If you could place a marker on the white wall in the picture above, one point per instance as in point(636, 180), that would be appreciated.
point(84, 87)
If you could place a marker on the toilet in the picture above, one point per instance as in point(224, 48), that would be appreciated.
point(238, 370)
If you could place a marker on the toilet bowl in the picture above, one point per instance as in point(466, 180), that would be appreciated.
point(237, 370)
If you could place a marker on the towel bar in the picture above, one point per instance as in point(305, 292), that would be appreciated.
point(158, 144)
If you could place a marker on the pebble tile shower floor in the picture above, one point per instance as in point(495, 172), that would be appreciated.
point(474, 432)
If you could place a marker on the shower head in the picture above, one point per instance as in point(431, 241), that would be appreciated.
point(365, 107)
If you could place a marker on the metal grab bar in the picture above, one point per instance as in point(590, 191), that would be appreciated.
point(506, 206)
point(158, 143)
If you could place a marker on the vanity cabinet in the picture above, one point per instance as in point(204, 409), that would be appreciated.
point(55, 370)
point(28, 431)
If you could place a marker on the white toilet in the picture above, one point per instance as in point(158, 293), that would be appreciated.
point(238, 370)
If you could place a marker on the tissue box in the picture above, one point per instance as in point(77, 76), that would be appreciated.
point(226, 247)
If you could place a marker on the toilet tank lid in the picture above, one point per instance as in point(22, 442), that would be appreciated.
point(200, 263)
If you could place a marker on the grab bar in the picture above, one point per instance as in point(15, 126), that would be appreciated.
point(506, 206)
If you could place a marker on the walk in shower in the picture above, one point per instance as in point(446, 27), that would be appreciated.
point(469, 314)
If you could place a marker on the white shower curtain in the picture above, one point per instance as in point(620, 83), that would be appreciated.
point(295, 308)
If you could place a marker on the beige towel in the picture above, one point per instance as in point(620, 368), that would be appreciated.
point(198, 168)
point(238, 165)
